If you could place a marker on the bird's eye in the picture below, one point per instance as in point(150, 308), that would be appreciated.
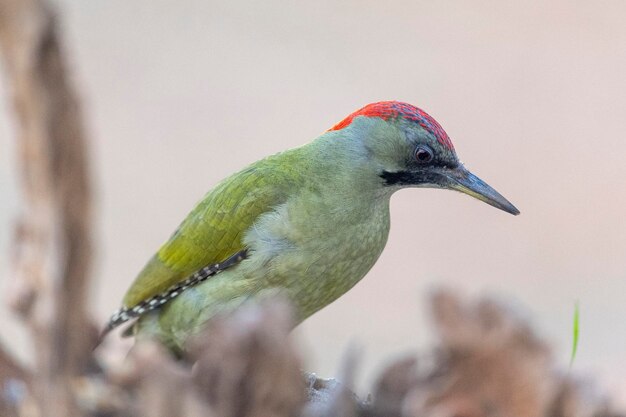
point(423, 154)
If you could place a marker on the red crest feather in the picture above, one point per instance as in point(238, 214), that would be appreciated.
point(387, 110)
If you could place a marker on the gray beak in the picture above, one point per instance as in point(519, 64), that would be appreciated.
point(460, 179)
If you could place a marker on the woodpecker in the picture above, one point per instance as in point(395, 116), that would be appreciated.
point(307, 223)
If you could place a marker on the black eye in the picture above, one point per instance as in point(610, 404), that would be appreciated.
point(423, 154)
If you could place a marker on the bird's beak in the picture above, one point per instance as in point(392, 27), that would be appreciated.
point(460, 179)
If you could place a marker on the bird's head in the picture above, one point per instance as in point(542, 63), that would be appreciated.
point(410, 149)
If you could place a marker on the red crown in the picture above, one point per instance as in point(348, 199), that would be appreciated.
point(387, 110)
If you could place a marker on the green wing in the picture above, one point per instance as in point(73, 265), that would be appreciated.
point(214, 230)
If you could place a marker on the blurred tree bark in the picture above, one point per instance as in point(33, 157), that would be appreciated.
point(52, 244)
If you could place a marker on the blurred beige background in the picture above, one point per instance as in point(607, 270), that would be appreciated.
point(179, 94)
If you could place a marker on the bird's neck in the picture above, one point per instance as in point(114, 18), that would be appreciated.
point(343, 170)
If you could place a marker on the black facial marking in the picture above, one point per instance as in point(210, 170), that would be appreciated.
point(412, 177)
point(395, 178)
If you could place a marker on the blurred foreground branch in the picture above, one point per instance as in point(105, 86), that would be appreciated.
point(52, 247)
point(487, 362)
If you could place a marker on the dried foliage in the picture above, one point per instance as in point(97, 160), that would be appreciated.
point(242, 365)
point(487, 362)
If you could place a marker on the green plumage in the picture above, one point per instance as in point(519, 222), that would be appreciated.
point(214, 230)
point(312, 220)
point(313, 225)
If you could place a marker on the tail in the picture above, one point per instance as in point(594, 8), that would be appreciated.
point(118, 318)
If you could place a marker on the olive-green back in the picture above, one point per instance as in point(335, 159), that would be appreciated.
point(214, 229)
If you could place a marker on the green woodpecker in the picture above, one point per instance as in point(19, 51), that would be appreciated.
point(309, 222)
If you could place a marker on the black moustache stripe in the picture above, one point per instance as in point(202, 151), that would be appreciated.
point(411, 177)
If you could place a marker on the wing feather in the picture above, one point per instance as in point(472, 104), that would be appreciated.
point(212, 232)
